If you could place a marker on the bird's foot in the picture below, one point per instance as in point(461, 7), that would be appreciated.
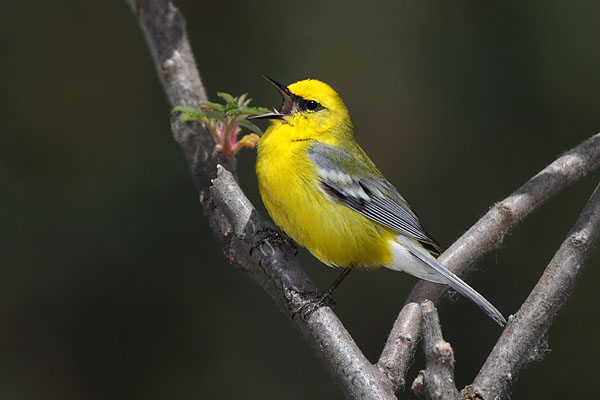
point(309, 302)
point(275, 236)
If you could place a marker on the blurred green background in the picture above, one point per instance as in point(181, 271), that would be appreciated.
point(112, 285)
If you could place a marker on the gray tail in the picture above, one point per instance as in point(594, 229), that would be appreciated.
point(459, 285)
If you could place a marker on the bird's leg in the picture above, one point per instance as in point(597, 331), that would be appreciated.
point(317, 300)
point(337, 282)
point(276, 237)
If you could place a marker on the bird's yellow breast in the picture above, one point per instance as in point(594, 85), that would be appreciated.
point(293, 196)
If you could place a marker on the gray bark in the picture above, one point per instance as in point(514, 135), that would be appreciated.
point(436, 382)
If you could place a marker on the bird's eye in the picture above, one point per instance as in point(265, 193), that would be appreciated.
point(311, 105)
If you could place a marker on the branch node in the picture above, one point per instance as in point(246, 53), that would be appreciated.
point(418, 385)
point(506, 211)
point(171, 62)
point(469, 393)
point(437, 380)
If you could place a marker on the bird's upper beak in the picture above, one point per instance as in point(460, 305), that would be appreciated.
point(286, 107)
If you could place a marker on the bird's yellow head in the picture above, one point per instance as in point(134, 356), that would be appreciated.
point(312, 108)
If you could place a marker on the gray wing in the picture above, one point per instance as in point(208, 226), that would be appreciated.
point(366, 193)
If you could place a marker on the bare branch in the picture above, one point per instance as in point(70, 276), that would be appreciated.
point(401, 345)
point(436, 382)
point(231, 215)
point(488, 233)
point(525, 333)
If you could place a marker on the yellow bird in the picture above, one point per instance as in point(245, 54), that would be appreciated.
point(323, 190)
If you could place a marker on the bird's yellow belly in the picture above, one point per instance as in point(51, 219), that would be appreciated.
point(332, 232)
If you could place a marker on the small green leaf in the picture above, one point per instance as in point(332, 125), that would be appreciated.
point(232, 108)
point(254, 110)
point(249, 125)
point(234, 113)
point(214, 106)
point(190, 114)
point(183, 109)
point(215, 115)
point(226, 96)
point(189, 117)
point(243, 101)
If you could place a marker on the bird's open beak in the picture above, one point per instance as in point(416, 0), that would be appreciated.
point(286, 107)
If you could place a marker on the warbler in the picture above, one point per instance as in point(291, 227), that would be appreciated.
point(322, 190)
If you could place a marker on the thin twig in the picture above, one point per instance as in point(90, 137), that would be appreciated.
point(232, 217)
point(488, 233)
point(436, 382)
point(523, 340)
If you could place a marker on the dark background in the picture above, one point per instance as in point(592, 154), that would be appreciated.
point(112, 285)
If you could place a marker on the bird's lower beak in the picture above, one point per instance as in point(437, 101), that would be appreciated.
point(286, 107)
point(272, 115)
